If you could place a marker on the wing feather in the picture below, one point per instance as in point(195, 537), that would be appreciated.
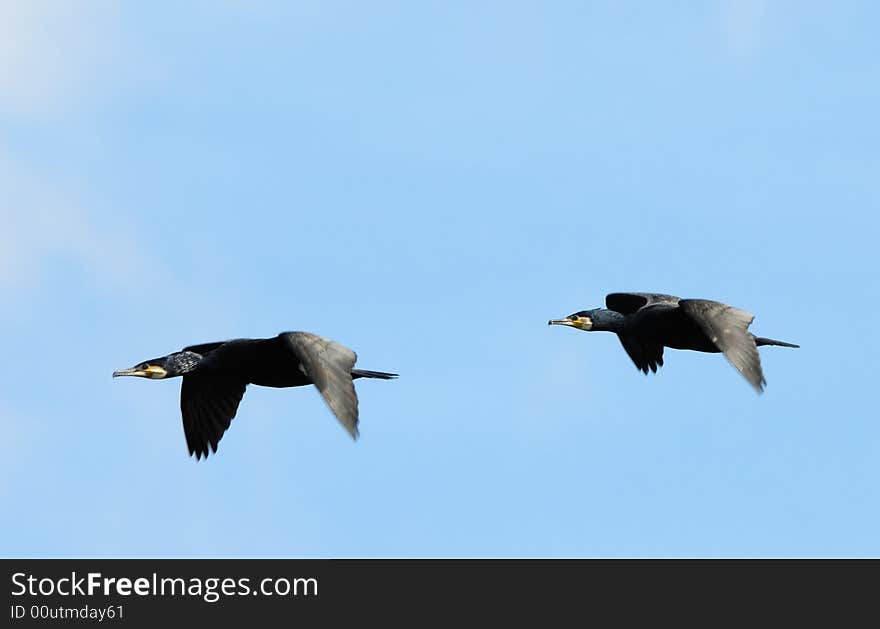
point(328, 364)
point(644, 354)
point(727, 327)
point(204, 348)
point(208, 402)
point(628, 303)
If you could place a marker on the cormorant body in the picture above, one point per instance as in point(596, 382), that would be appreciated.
point(645, 323)
point(215, 376)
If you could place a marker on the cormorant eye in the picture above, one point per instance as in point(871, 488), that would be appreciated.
point(574, 317)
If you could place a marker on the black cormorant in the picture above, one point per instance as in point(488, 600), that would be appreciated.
point(215, 376)
point(645, 323)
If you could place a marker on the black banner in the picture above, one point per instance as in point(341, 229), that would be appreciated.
point(147, 592)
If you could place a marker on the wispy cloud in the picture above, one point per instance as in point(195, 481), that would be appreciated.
point(743, 24)
point(55, 56)
point(51, 53)
point(40, 221)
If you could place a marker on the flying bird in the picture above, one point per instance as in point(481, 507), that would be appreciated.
point(215, 376)
point(645, 323)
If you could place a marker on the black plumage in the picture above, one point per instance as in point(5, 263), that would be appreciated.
point(645, 323)
point(215, 376)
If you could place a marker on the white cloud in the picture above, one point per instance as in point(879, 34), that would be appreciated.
point(743, 22)
point(52, 52)
point(56, 58)
point(38, 220)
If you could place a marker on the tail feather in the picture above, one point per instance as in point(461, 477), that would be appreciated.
point(364, 373)
point(760, 340)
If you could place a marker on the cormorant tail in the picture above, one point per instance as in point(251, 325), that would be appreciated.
point(364, 373)
point(760, 340)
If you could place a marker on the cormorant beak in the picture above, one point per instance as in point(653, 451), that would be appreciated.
point(151, 371)
point(560, 322)
point(581, 323)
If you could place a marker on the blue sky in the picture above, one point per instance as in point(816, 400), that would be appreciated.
point(429, 183)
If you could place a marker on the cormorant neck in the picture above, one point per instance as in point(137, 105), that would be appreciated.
point(182, 363)
point(607, 320)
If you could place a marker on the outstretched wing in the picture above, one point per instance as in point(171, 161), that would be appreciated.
point(208, 402)
point(328, 365)
point(645, 354)
point(628, 303)
point(639, 343)
point(727, 327)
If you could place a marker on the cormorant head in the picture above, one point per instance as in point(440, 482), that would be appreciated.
point(169, 366)
point(154, 369)
point(582, 320)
